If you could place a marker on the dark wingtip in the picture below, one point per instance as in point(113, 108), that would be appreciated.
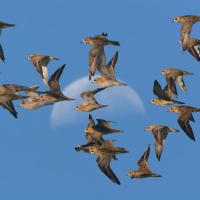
point(118, 183)
point(158, 157)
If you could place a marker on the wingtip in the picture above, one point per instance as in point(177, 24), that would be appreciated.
point(158, 156)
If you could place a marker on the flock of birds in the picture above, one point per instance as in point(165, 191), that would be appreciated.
point(105, 150)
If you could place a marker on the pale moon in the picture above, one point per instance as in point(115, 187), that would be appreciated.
point(123, 101)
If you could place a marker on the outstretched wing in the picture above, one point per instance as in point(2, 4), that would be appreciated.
point(54, 80)
point(8, 105)
point(96, 60)
point(157, 90)
point(143, 161)
point(91, 122)
point(171, 85)
point(88, 96)
point(185, 125)
point(104, 165)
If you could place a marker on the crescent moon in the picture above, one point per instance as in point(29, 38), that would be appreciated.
point(121, 100)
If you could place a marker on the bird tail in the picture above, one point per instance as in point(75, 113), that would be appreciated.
point(187, 73)
point(102, 106)
point(123, 84)
point(121, 150)
point(115, 43)
point(156, 175)
point(111, 131)
point(67, 98)
point(53, 58)
point(173, 130)
point(179, 102)
point(196, 110)
point(8, 25)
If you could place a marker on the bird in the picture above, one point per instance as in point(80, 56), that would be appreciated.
point(55, 94)
point(104, 155)
point(2, 26)
point(94, 132)
point(34, 100)
point(90, 103)
point(174, 76)
point(188, 43)
point(102, 126)
point(143, 170)
point(164, 95)
point(40, 62)
point(97, 55)
point(107, 78)
point(185, 116)
point(160, 133)
point(100, 40)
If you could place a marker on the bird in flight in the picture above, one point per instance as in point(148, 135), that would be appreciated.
point(143, 170)
point(185, 116)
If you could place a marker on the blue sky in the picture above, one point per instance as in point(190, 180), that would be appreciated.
point(38, 161)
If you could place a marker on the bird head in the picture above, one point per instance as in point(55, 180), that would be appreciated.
point(131, 174)
point(86, 41)
point(92, 150)
point(78, 107)
point(22, 103)
point(164, 71)
point(172, 109)
point(155, 101)
point(179, 19)
point(149, 128)
point(30, 57)
point(88, 130)
point(97, 80)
